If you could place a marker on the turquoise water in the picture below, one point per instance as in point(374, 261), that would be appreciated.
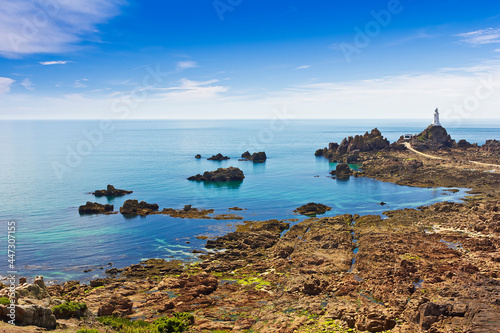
point(43, 183)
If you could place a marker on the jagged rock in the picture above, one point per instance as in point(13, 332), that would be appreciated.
point(319, 152)
point(220, 175)
point(312, 209)
point(111, 191)
point(27, 315)
point(491, 146)
point(463, 144)
point(218, 157)
point(37, 290)
point(116, 305)
point(259, 157)
point(95, 208)
point(134, 207)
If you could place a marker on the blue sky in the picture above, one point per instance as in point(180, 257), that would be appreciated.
point(101, 59)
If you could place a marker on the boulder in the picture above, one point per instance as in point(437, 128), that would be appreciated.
point(134, 207)
point(115, 305)
point(342, 171)
point(312, 209)
point(111, 191)
point(198, 156)
point(27, 315)
point(218, 157)
point(95, 208)
point(220, 175)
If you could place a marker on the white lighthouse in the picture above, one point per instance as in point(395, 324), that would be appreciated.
point(436, 118)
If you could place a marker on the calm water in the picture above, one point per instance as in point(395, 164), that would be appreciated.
point(43, 182)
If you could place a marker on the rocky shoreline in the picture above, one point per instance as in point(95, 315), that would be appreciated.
point(431, 269)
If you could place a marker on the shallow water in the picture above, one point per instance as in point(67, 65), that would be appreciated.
point(43, 183)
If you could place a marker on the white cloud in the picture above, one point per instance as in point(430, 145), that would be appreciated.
point(27, 84)
point(186, 64)
point(58, 62)
point(80, 83)
point(5, 84)
point(303, 67)
point(481, 37)
point(30, 27)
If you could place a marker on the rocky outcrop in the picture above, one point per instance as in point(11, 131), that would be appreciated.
point(432, 138)
point(348, 150)
point(491, 146)
point(464, 144)
point(312, 209)
point(111, 191)
point(342, 171)
point(218, 157)
point(115, 305)
point(95, 208)
point(30, 315)
point(134, 207)
point(220, 175)
point(259, 157)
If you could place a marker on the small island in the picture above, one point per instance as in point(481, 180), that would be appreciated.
point(220, 175)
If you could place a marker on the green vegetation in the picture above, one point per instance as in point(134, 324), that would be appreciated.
point(178, 323)
point(409, 256)
point(4, 301)
point(87, 330)
point(69, 310)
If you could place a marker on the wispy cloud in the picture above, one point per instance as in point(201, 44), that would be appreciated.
point(80, 83)
point(30, 27)
point(186, 64)
point(481, 37)
point(58, 62)
point(27, 84)
point(304, 67)
point(5, 84)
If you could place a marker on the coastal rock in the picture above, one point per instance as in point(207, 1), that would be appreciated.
point(111, 191)
point(198, 156)
point(342, 171)
point(463, 144)
point(259, 157)
point(115, 305)
point(218, 157)
point(95, 208)
point(220, 175)
point(491, 146)
point(37, 290)
point(36, 315)
point(312, 209)
point(350, 147)
point(432, 138)
point(134, 207)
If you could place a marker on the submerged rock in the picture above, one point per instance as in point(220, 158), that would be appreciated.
point(218, 157)
point(134, 207)
point(312, 209)
point(95, 208)
point(111, 191)
point(220, 175)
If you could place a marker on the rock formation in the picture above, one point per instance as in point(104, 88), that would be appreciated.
point(218, 157)
point(134, 207)
point(312, 209)
point(111, 191)
point(432, 138)
point(491, 146)
point(95, 208)
point(259, 157)
point(342, 171)
point(220, 175)
point(348, 150)
point(198, 156)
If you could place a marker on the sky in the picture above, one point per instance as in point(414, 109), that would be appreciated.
point(222, 59)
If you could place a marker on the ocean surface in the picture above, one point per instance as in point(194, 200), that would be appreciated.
point(48, 168)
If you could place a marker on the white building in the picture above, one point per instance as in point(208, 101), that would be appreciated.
point(436, 118)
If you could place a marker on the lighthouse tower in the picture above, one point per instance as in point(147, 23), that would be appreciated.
point(436, 118)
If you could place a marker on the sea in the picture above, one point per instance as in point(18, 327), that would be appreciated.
point(48, 168)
